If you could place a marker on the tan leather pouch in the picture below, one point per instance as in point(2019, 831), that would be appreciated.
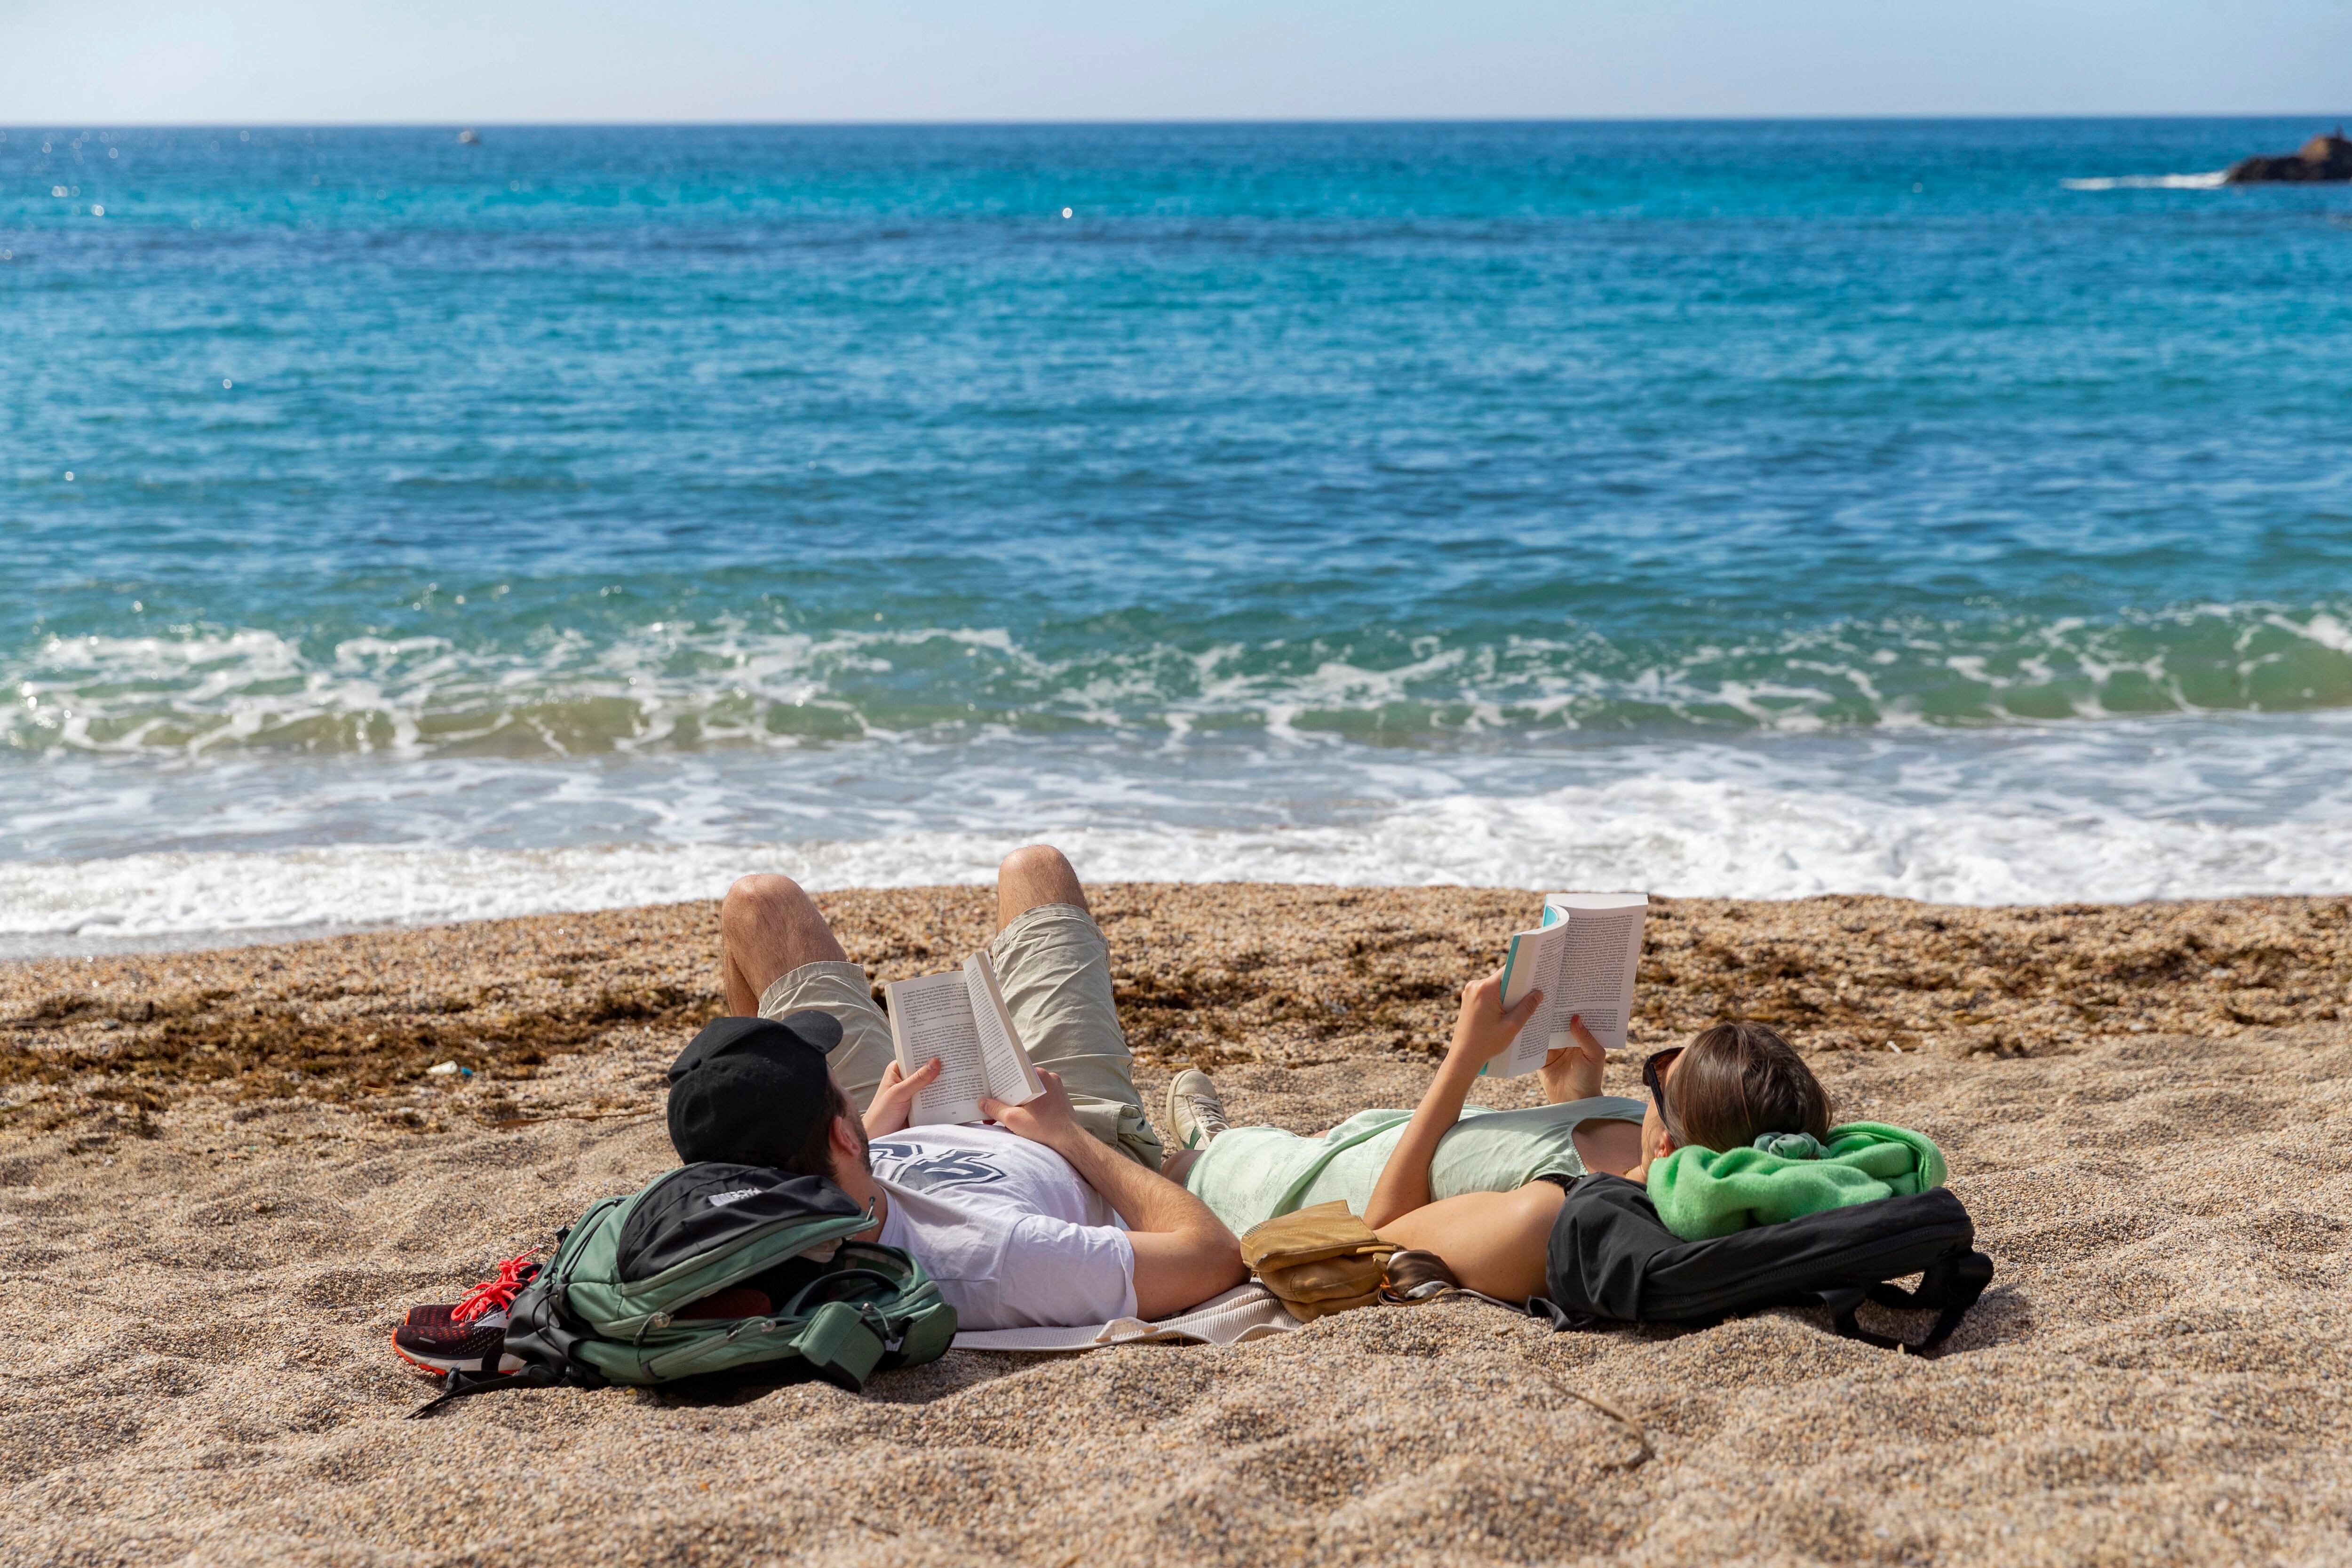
point(1318, 1261)
point(1327, 1230)
point(1326, 1278)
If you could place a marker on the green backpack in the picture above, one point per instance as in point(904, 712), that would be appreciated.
point(608, 1307)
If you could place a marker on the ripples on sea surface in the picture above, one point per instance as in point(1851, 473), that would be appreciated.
point(1962, 510)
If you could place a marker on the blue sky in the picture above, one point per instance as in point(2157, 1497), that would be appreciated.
point(320, 61)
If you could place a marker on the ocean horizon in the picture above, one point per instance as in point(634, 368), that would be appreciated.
point(401, 529)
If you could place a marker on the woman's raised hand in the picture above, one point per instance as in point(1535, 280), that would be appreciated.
point(1484, 1029)
point(1573, 1072)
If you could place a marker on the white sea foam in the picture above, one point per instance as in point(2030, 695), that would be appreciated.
point(2160, 809)
point(2211, 180)
point(1672, 837)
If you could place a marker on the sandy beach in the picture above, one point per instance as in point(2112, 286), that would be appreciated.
point(224, 1176)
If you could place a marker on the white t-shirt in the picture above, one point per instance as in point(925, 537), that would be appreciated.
point(1012, 1234)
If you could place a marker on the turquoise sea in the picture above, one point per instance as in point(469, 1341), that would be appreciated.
point(400, 528)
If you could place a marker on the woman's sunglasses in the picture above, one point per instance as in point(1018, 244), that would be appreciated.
point(1654, 1079)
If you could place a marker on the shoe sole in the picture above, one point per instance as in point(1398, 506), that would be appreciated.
point(507, 1364)
point(1167, 1114)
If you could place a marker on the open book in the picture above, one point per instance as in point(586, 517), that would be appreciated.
point(1583, 958)
point(959, 1017)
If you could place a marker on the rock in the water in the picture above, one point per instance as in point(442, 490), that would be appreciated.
point(2321, 157)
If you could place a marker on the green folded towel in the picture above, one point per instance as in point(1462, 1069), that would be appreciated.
point(1701, 1193)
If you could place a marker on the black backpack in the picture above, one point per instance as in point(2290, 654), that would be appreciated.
point(1611, 1260)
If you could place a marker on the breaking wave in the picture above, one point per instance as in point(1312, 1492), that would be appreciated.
point(203, 693)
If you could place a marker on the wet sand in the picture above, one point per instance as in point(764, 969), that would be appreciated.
point(223, 1176)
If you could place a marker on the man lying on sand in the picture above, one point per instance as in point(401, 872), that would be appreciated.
point(1052, 1214)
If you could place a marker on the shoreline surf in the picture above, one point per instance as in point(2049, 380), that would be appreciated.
point(161, 857)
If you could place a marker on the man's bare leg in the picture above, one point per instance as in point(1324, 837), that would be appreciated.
point(1055, 970)
point(767, 928)
point(1028, 877)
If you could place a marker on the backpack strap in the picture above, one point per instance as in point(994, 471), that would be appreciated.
point(535, 1374)
point(1951, 1286)
point(843, 1343)
point(539, 1333)
point(925, 1337)
point(1561, 1319)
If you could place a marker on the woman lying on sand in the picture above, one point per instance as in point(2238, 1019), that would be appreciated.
point(1736, 1132)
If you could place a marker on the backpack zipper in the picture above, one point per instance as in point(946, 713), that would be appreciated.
point(744, 1271)
point(658, 1364)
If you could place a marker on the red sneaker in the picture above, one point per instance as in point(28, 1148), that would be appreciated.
point(489, 1295)
point(477, 1345)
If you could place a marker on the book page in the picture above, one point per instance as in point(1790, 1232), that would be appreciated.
point(1585, 962)
point(930, 1016)
point(1533, 965)
point(1598, 965)
point(1011, 1077)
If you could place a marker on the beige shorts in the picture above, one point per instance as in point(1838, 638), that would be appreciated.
point(1056, 970)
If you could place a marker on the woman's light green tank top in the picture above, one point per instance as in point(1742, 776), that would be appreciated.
point(1248, 1175)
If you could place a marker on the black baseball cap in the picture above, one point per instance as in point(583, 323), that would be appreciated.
point(749, 1092)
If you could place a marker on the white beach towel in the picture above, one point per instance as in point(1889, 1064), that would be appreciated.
point(1243, 1313)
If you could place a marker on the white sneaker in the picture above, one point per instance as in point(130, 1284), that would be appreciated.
point(1194, 1113)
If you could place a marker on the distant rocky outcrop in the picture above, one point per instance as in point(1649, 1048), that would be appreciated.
point(2321, 157)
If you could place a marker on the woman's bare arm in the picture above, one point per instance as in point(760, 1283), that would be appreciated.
point(1482, 1031)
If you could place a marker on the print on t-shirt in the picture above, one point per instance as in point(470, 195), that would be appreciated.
point(1008, 1229)
point(909, 1167)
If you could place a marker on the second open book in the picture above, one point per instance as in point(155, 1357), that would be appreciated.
point(1583, 958)
point(959, 1015)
